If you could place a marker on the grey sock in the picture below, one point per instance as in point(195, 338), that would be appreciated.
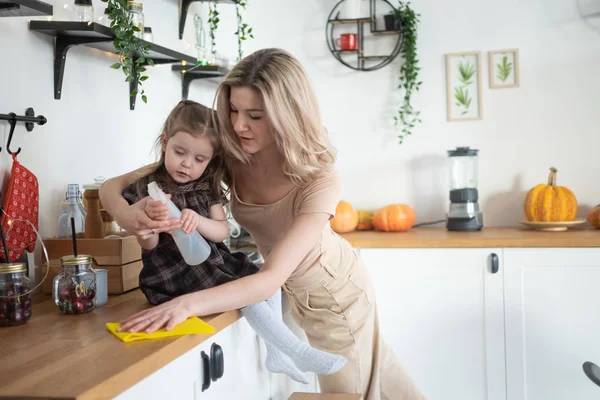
point(267, 322)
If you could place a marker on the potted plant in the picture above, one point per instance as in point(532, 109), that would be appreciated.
point(406, 21)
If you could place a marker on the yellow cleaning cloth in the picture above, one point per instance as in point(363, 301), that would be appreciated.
point(191, 326)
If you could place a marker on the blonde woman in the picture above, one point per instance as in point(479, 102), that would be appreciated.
point(284, 190)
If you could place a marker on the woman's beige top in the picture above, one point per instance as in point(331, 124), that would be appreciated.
point(268, 223)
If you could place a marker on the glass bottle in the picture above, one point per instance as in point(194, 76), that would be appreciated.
point(75, 211)
point(148, 37)
point(84, 11)
point(15, 302)
point(136, 12)
point(74, 288)
point(104, 18)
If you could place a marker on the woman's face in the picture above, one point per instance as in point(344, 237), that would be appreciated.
point(249, 120)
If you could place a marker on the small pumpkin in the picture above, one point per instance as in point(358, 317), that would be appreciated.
point(395, 218)
point(550, 203)
point(345, 219)
point(365, 220)
point(594, 217)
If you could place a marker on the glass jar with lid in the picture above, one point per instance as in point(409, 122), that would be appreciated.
point(74, 288)
point(15, 301)
point(83, 11)
point(136, 12)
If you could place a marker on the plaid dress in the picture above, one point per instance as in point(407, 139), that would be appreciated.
point(165, 275)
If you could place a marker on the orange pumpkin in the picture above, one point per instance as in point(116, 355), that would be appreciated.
point(594, 217)
point(550, 203)
point(394, 217)
point(346, 218)
point(365, 220)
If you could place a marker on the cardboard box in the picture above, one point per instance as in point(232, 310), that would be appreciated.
point(104, 251)
point(121, 278)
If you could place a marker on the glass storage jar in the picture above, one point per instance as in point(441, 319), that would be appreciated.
point(136, 12)
point(15, 301)
point(74, 288)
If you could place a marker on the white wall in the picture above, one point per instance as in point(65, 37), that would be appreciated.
point(551, 120)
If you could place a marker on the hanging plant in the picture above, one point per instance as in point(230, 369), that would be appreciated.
point(133, 55)
point(407, 21)
point(243, 31)
point(213, 22)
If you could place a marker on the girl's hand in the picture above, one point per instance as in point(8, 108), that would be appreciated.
point(157, 210)
point(189, 220)
point(167, 315)
point(145, 227)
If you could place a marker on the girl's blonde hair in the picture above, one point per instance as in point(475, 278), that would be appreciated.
point(197, 120)
point(291, 108)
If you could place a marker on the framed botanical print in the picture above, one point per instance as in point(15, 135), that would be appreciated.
point(504, 68)
point(463, 86)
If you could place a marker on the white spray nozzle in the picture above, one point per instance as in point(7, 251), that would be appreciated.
point(156, 193)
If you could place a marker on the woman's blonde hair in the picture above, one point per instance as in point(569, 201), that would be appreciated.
point(291, 108)
point(197, 120)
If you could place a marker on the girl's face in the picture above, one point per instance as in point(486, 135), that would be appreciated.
point(249, 120)
point(186, 156)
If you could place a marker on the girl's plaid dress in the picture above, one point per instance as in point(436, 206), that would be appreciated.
point(165, 275)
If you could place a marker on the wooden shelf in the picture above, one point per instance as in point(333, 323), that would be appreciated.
point(191, 72)
point(349, 21)
point(94, 35)
point(24, 8)
point(381, 33)
point(183, 10)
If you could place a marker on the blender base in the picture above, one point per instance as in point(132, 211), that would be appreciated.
point(472, 224)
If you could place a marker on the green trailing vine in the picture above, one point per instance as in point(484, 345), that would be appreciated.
point(133, 55)
point(407, 21)
point(213, 22)
point(244, 31)
point(504, 69)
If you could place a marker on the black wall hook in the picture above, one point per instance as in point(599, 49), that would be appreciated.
point(29, 118)
point(13, 124)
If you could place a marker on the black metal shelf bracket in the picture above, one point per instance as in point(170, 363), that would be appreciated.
point(62, 44)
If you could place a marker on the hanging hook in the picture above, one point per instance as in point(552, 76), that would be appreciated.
point(13, 124)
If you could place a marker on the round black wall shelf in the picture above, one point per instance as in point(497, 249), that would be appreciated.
point(362, 62)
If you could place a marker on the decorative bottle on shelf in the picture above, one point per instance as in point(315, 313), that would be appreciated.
point(136, 12)
point(104, 19)
point(75, 210)
point(83, 11)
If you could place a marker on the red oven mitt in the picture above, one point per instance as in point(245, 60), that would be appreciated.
point(21, 202)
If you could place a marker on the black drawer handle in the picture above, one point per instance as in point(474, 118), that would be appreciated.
point(206, 371)
point(217, 362)
point(495, 266)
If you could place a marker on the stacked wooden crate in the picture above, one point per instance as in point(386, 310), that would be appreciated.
point(122, 257)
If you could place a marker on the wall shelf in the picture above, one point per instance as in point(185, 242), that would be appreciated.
point(191, 72)
point(183, 10)
point(363, 62)
point(68, 34)
point(24, 8)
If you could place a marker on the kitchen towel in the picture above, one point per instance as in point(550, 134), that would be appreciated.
point(191, 326)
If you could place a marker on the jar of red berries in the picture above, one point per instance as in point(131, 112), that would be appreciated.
point(15, 301)
point(74, 287)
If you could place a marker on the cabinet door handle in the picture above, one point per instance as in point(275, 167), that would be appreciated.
point(217, 362)
point(494, 263)
point(205, 371)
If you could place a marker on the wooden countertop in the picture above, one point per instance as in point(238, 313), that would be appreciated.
point(56, 356)
point(439, 237)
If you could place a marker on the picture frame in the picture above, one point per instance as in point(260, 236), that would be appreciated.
point(463, 86)
point(503, 68)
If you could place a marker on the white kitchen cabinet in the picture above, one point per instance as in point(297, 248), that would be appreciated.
point(244, 374)
point(552, 300)
point(441, 311)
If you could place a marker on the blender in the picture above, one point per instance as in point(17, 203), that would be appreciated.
point(464, 214)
